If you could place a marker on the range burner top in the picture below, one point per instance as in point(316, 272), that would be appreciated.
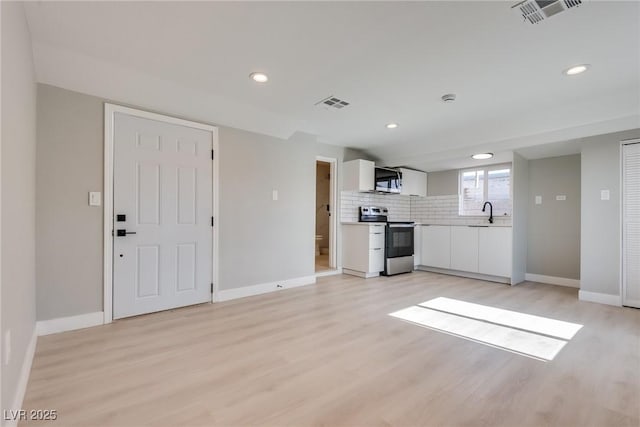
point(373, 214)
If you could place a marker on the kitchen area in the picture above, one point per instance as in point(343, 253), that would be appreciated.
point(396, 220)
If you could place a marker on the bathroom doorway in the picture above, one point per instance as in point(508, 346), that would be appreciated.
point(325, 258)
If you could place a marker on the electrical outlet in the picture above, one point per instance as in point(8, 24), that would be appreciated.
point(604, 195)
point(561, 197)
point(538, 200)
point(7, 347)
point(274, 195)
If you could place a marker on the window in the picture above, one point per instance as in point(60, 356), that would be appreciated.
point(488, 184)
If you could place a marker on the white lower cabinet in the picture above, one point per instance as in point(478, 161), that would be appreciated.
point(495, 253)
point(363, 249)
point(464, 248)
point(473, 249)
point(436, 246)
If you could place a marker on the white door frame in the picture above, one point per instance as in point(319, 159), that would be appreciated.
point(333, 197)
point(623, 282)
point(109, 120)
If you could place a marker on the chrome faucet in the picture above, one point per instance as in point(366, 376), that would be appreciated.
point(490, 211)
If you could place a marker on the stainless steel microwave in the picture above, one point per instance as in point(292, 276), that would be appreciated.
point(388, 180)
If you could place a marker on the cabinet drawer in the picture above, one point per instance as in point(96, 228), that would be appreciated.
point(375, 229)
point(376, 260)
point(376, 240)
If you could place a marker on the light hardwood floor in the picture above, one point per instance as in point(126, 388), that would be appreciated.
point(322, 263)
point(329, 355)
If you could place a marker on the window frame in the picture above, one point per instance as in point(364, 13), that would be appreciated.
point(486, 169)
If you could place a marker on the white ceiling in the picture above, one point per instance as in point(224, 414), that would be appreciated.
point(391, 60)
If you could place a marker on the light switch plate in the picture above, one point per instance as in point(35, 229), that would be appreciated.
point(538, 200)
point(274, 195)
point(604, 195)
point(561, 197)
point(95, 198)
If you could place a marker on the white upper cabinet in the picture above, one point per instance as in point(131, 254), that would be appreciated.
point(414, 183)
point(358, 175)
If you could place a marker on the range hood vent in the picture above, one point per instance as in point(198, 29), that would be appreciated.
point(536, 11)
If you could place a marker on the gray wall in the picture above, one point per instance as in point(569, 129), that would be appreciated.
point(18, 194)
point(554, 226)
point(600, 219)
point(276, 245)
point(443, 183)
point(69, 231)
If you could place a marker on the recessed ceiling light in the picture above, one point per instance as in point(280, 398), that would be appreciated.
point(259, 77)
point(576, 69)
point(482, 156)
point(392, 125)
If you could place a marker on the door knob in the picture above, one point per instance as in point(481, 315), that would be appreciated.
point(123, 232)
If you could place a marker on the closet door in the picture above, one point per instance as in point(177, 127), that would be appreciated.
point(631, 224)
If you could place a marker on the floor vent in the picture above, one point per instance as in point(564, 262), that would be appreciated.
point(332, 102)
point(535, 11)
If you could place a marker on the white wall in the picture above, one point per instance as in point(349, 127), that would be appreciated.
point(600, 219)
point(520, 191)
point(18, 197)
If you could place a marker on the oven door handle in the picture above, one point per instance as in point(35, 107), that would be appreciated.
point(401, 225)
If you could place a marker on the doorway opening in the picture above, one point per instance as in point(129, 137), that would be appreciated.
point(324, 239)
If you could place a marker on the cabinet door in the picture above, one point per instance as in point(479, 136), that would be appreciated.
point(436, 246)
point(414, 183)
point(417, 245)
point(464, 248)
point(376, 260)
point(494, 244)
point(358, 175)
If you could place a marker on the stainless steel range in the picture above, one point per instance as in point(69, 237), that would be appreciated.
point(398, 250)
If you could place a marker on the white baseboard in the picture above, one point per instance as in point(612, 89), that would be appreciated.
point(560, 281)
point(469, 275)
point(359, 273)
point(263, 288)
point(71, 323)
point(329, 272)
point(23, 380)
point(607, 299)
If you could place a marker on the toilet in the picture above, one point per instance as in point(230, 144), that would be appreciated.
point(318, 240)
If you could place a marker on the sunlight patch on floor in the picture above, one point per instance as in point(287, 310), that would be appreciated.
point(533, 336)
point(513, 319)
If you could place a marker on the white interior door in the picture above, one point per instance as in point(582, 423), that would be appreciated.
point(162, 199)
point(631, 225)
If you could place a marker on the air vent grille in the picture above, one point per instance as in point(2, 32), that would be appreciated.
point(333, 102)
point(572, 3)
point(536, 11)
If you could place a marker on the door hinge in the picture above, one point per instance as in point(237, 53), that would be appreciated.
point(212, 155)
point(212, 288)
point(212, 221)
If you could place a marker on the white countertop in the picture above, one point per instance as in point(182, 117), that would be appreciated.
point(486, 224)
point(362, 223)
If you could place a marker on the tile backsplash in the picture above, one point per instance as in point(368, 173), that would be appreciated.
point(399, 206)
point(444, 210)
point(424, 210)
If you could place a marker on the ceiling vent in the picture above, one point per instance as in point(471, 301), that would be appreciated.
point(535, 11)
point(332, 102)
